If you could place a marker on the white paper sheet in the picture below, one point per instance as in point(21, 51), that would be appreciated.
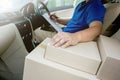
point(55, 26)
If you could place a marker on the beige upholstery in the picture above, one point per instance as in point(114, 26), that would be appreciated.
point(111, 14)
point(117, 35)
point(110, 54)
point(12, 52)
point(6, 37)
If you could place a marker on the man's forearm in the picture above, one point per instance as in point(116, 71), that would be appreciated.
point(89, 34)
point(63, 21)
point(65, 39)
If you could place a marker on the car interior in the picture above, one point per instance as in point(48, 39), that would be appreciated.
point(24, 57)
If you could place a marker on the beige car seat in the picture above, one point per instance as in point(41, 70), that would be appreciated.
point(12, 53)
point(117, 35)
point(112, 12)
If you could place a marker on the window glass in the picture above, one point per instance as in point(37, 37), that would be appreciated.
point(55, 4)
point(11, 5)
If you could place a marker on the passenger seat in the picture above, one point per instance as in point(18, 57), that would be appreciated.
point(12, 53)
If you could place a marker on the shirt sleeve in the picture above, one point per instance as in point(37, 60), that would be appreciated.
point(95, 14)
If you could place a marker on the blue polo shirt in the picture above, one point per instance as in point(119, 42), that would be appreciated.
point(84, 14)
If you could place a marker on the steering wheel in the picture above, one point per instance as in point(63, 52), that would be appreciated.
point(41, 8)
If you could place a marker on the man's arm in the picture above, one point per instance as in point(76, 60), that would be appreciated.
point(64, 39)
point(62, 21)
point(95, 29)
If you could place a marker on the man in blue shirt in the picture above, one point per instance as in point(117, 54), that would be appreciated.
point(85, 25)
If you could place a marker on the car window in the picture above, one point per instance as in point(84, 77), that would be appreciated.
point(11, 5)
point(59, 4)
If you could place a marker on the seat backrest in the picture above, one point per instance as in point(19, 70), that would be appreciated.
point(117, 35)
point(12, 52)
point(112, 12)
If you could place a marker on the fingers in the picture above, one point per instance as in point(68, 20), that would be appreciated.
point(66, 44)
point(60, 40)
point(53, 17)
point(55, 39)
point(61, 43)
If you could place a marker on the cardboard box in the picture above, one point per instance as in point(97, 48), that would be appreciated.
point(84, 56)
point(110, 53)
point(38, 68)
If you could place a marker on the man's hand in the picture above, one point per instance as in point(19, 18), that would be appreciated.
point(53, 17)
point(64, 39)
point(58, 20)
